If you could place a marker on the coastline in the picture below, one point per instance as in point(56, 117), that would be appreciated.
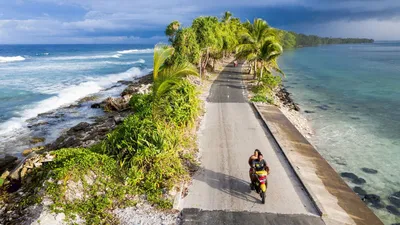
point(86, 134)
point(293, 113)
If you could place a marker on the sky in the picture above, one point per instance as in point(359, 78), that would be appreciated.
point(144, 21)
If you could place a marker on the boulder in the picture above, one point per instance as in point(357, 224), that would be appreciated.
point(395, 199)
point(5, 175)
point(370, 171)
point(30, 150)
point(361, 192)
point(36, 140)
point(393, 210)
point(96, 106)
point(372, 198)
point(8, 162)
point(23, 172)
point(354, 178)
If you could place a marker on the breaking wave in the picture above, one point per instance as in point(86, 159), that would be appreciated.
point(136, 51)
point(4, 59)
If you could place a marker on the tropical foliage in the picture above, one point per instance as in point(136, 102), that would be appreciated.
point(150, 151)
point(289, 39)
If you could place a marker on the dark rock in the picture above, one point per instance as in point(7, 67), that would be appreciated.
point(324, 107)
point(88, 99)
point(354, 178)
point(395, 224)
point(96, 106)
point(125, 82)
point(130, 90)
point(118, 119)
point(361, 192)
point(354, 107)
point(296, 107)
point(313, 100)
point(378, 205)
point(81, 126)
point(38, 124)
point(370, 171)
point(309, 111)
point(372, 198)
point(73, 106)
point(284, 97)
point(393, 210)
point(395, 199)
point(8, 162)
point(45, 114)
point(85, 134)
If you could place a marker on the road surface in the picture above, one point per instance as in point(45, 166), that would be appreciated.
point(220, 192)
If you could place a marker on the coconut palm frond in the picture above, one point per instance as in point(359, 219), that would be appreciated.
point(180, 70)
point(161, 53)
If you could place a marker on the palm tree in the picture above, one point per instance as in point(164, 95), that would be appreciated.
point(259, 46)
point(226, 17)
point(165, 77)
point(270, 51)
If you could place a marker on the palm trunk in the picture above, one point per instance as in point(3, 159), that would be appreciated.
point(255, 70)
point(200, 66)
point(261, 74)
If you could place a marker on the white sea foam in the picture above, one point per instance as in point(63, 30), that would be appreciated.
point(83, 57)
point(65, 97)
point(5, 59)
point(136, 51)
point(140, 61)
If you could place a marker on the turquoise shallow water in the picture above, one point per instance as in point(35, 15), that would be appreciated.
point(352, 93)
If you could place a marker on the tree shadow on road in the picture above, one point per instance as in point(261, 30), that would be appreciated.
point(228, 184)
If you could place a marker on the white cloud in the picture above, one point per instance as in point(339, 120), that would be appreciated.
point(116, 17)
point(376, 29)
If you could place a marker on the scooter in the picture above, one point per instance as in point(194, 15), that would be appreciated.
point(261, 183)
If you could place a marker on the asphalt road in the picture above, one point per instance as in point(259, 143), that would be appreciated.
point(220, 192)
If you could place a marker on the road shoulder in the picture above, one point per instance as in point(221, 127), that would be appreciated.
point(335, 200)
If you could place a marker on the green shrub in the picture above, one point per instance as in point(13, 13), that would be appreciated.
point(262, 98)
point(180, 105)
point(142, 104)
point(258, 98)
point(96, 177)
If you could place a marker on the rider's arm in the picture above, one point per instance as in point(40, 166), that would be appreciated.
point(266, 167)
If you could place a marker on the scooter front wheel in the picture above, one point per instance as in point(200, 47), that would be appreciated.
point(262, 194)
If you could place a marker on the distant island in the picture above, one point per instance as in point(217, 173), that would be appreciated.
point(290, 39)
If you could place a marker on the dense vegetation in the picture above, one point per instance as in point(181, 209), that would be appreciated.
point(152, 150)
point(291, 39)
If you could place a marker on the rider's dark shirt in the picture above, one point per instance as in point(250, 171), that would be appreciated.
point(259, 164)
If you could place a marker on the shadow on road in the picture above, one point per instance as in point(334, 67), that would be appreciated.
point(233, 186)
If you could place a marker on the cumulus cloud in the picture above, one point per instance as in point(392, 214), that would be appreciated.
point(127, 21)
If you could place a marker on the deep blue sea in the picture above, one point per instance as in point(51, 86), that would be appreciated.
point(353, 94)
point(36, 79)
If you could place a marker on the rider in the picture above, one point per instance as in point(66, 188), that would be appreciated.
point(251, 159)
point(257, 165)
point(260, 164)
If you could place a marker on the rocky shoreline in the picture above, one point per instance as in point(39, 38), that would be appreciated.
point(283, 99)
point(84, 134)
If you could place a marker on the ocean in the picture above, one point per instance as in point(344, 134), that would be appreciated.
point(38, 79)
point(350, 92)
point(351, 96)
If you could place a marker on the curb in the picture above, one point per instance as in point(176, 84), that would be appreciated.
point(312, 196)
point(178, 197)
